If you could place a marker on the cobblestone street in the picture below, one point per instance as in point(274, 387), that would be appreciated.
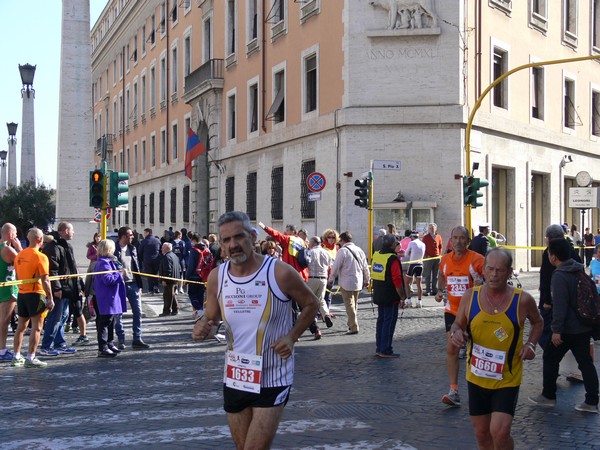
point(343, 397)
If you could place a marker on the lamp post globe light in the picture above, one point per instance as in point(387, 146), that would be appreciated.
point(27, 72)
point(12, 153)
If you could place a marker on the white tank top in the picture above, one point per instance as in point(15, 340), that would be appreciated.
point(256, 313)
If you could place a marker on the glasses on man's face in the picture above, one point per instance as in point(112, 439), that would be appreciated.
point(330, 237)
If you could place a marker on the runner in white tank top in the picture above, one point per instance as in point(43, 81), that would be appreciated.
point(252, 293)
point(256, 314)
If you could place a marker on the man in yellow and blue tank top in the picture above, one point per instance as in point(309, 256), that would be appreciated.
point(493, 317)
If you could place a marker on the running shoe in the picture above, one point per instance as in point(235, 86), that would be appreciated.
point(49, 352)
point(35, 363)
point(66, 350)
point(540, 400)
point(586, 407)
point(82, 340)
point(8, 356)
point(328, 321)
point(18, 362)
point(451, 398)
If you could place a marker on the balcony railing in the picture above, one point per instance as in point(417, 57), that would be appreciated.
point(210, 70)
point(104, 145)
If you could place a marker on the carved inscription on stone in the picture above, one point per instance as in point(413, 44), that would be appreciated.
point(398, 53)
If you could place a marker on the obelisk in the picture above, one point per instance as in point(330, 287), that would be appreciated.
point(75, 126)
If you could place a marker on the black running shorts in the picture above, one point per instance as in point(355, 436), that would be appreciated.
point(236, 401)
point(484, 401)
point(30, 304)
point(415, 270)
point(449, 318)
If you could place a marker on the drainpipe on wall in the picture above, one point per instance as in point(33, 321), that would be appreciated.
point(263, 68)
point(338, 175)
point(167, 99)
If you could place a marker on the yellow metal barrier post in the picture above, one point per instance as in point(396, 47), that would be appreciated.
point(468, 209)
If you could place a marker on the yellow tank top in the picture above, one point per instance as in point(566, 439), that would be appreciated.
point(496, 339)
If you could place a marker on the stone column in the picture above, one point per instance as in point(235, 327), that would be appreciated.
point(75, 126)
point(12, 154)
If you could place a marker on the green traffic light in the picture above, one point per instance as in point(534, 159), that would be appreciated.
point(118, 188)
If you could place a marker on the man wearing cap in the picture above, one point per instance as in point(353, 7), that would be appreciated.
point(480, 242)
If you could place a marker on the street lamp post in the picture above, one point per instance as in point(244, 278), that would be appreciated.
point(27, 72)
point(3, 154)
point(12, 153)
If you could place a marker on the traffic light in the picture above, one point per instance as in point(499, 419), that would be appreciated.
point(119, 189)
point(362, 194)
point(468, 191)
point(471, 186)
point(97, 189)
point(479, 183)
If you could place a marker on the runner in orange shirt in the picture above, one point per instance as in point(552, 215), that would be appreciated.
point(33, 297)
point(460, 270)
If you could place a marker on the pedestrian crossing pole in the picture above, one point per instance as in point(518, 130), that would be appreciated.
point(370, 215)
point(105, 197)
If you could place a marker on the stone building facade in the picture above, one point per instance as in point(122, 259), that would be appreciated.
point(284, 89)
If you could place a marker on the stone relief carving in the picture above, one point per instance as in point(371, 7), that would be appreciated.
point(408, 14)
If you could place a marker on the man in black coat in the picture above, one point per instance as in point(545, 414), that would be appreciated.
point(480, 242)
point(66, 292)
point(170, 268)
point(149, 253)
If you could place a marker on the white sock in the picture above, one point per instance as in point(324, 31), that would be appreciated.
point(3, 352)
point(31, 356)
point(17, 355)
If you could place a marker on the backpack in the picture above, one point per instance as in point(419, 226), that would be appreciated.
point(178, 248)
point(587, 304)
point(297, 250)
point(302, 259)
point(205, 263)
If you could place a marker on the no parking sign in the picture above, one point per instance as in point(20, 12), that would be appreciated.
point(316, 182)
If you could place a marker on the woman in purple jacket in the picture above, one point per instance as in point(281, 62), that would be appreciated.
point(110, 298)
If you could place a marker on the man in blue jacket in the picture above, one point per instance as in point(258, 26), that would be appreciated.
point(149, 258)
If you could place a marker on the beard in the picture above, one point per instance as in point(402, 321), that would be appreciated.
point(240, 258)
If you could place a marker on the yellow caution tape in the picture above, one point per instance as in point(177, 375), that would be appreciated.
point(75, 275)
